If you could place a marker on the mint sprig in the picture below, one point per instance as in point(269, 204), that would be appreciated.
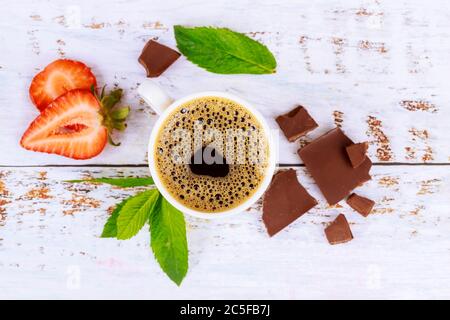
point(221, 50)
point(167, 224)
point(128, 182)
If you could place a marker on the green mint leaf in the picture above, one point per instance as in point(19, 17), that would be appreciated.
point(135, 213)
point(110, 228)
point(221, 50)
point(127, 182)
point(168, 240)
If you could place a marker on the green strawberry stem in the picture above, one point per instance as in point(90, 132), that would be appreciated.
point(113, 117)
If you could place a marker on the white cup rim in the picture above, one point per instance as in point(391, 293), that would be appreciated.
point(250, 201)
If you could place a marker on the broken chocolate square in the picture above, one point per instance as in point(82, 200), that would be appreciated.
point(156, 58)
point(357, 153)
point(339, 231)
point(285, 201)
point(360, 204)
point(327, 161)
point(296, 123)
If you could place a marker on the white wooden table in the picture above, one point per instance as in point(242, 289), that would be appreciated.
point(378, 68)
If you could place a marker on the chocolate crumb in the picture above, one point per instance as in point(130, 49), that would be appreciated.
point(156, 58)
point(339, 231)
point(360, 204)
point(296, 123)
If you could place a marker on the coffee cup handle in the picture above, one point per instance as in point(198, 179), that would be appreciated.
point(154, 96)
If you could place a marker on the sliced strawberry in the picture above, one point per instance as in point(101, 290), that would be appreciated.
point(75, 125)
point(57, 78)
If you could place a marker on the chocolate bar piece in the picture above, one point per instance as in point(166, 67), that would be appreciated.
point(327, 161)
point(156, 58)
point(285, 201)
point(339, 231)
point(360, 204)
point(357, 153)
point(296, 123)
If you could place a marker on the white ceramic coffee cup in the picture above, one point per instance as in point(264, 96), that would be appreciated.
point(162, 104)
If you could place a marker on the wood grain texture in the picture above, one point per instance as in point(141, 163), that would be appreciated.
point(50, 236)
point(376, 68)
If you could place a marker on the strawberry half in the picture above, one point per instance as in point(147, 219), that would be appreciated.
point(57, 78)
point(76, 125)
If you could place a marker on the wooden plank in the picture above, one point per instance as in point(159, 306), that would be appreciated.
point(50, 245)
point(377, 68)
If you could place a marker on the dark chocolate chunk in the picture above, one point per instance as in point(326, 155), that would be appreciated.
point(339, 231)
point(360, 204)
point(296, 123)
point(156, 58)
point(357, 153)
point(285, 201)
point(327, 161)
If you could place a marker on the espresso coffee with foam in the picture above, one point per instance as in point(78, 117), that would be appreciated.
point(211, 154)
